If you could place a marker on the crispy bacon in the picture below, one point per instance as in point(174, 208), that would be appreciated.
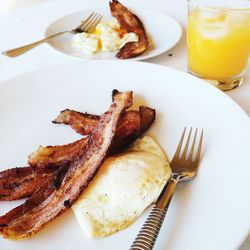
point(82, 123)
point(147, 117)
point(131, 23)
point(50, 158)
point(21, 182)
point(40, 195)
point(18, 183)
point(131, 124)
point(79, 174)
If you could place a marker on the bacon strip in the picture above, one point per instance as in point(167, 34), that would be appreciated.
point(50, 158)
point(82, 123)
point(40, 195)
point(18, 183)
point(131, 124)
point(79, 174)
point(131, 23)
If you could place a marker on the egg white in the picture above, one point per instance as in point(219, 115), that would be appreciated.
point(125, 185)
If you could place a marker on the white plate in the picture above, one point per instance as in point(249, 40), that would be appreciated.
point(163, 31)
point(209, 213)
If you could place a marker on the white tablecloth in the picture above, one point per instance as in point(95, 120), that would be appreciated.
point(28, 22)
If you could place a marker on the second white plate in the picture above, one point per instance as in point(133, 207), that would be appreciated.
point(163, 31)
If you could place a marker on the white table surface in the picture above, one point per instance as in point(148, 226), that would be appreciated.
point(24, 21)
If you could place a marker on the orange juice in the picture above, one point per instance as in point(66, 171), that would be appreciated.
point(218, 42)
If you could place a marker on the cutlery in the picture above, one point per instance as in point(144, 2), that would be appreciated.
point(183, 169)
point(86, 25)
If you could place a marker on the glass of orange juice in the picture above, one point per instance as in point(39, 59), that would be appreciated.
point(218, 38)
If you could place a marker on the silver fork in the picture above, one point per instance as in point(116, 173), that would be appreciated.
point(183, 169)
point(86, 25)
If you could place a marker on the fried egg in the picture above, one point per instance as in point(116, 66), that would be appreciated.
point(125, 185)
point(88, 43)
point(107, 36)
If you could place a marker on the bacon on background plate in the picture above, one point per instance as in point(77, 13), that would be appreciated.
point(131, 23)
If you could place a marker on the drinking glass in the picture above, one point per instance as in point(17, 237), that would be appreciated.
point(218, 38)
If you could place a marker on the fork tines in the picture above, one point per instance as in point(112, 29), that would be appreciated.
point(88, 24)
point(184, 153)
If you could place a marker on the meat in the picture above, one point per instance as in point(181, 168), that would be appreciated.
point(76, 179)
point(82, 123)
point(18, 183)
point(39, 196)
point(47, 159)
point(147, 117)
point(131, 23)
point(131, 124)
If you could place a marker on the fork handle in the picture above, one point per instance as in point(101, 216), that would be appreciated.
point(147, 236)
point(20, 50)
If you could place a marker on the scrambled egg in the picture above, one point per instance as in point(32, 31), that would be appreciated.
point(125, 185)
point(108, 36)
